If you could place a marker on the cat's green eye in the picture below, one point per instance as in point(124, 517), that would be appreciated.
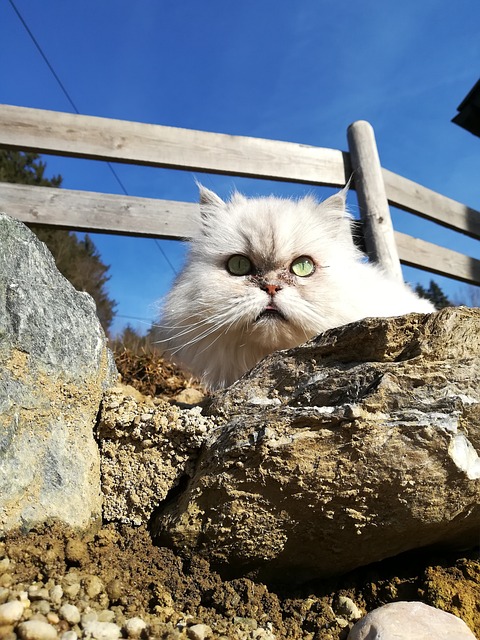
point(302, 266)
point(239, 265)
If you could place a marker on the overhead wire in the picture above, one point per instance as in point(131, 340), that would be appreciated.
point(74, 107)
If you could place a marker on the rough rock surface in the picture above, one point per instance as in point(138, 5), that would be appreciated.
point(358, 446)
point(146, 448)
point(54, 368)
point(408, 621)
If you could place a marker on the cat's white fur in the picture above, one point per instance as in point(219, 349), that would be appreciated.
point(211, 320)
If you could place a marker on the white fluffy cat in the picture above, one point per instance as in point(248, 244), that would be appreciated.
point(266, 274)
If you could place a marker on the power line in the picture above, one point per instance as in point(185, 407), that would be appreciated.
point(165, 256)
point(39, 48)
point(74, 107)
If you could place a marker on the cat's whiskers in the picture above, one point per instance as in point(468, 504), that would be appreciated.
point(188, 328)
point(220, 334)
point(221, 322)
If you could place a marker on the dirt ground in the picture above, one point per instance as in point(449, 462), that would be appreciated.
point(116, 573)
point(131, 577)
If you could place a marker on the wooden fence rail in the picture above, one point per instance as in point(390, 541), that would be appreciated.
point(99, 212)
point(158, 146)
point(137, 143)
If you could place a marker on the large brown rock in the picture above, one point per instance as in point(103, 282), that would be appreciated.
point(357, 446)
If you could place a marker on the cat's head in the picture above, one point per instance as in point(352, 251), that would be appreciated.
point(259, 276)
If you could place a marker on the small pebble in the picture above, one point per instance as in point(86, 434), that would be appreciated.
point(70, 613)
point(346, 608)
point(247, 623)
point(102, 630)
point(23, 597)
point(4, 564)
point(76, 551)
point(199, 632)
point(41, 606)
point(93, 586)
point(69, 635)
point(342, 622)
point(52, 618)
point(38, 592)
point(134, 627)
point(7, 633)
point(71, 584)
point(56, 594)
point(71, 590)
point(6, 580)
point(89, 616)
point(36, 630)
point(114, 589)
point(72, 577)
point(35, 615)
point(11, 612)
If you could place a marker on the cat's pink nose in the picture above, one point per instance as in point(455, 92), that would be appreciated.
point(271, 289)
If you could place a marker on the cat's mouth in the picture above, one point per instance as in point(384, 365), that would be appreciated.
point(270, 313)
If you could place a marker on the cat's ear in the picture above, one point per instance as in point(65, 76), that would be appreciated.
point(237, 198)
point(341, 223)
point(338, 203)
point(209, 201)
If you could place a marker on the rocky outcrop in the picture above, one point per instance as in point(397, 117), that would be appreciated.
point(355, 447)
point(54, 368)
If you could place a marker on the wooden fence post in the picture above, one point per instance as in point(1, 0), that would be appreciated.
point(372, 199)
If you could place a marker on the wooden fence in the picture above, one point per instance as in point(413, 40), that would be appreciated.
point(74, 135)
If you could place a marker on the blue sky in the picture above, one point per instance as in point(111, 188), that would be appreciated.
point(300, 71)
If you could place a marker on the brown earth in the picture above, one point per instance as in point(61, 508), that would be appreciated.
point(118, 573)
point(135, 578)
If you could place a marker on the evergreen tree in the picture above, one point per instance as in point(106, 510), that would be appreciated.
point(434, 294)
point(25, 168)
point(77, 259)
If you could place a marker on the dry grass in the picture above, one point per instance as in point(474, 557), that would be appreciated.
point(150, 374)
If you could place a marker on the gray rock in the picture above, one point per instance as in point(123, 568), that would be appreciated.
point(357, 446)
point(54, 367)
point(410, 621)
